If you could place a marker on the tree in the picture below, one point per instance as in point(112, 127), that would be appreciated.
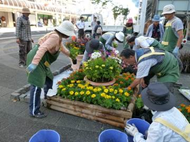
point(124, 12)
point(117, 10)
point(103, 2)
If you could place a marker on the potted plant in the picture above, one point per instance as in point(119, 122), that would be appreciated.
point(101, 71)
point(185, 110)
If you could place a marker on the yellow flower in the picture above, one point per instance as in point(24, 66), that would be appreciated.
point(72, 81)
point(90, 87)
point(93, 95)
point(71, 85)
point(103, 87)
point(115, 91)
point(97, 66)
point(117, 100)
point(63, 89)
point(111, 68)
point(76, 93)
point(113, 97)
point(78, 81)
point(103, 65)
point(102, 94)
point(85, 64)
point(82, 87)
point(111, 90)
point(88, 92)
point(71, 92)
point(120, 91)
point(106, 90)
point(126, 94)
point(60, 86)
point(95, 90)
point(99, 89)
point(82, 92)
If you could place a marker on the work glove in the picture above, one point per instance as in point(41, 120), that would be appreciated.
point(131, 130)
point(31, 68)
point(175, 51)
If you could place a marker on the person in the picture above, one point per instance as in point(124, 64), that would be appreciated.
point(169, 124)
point(91, 46)
point(93, 24)
point(38, 61)
point(98, 30)
point(143, 42)
point(80, 25)
point(152, 61)
point(127, 30)
point(173, 35)
point(109, 37)
point(156, 29)
point(23, 36)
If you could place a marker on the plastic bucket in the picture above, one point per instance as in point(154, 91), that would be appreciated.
point(141, 125)
point(112, 135)
point(45, 136)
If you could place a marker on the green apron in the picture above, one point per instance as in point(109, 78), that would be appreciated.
point(129, 30)
point(167, 71)
point(38, 76)
point(156, 44)
point(169, 39)
point(103, 41)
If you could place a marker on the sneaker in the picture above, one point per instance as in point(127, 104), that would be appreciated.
point(39, 115)
point(21, 66)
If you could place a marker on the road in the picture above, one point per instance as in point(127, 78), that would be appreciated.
point(15, 123)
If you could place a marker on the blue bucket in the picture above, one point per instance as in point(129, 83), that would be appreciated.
point(141, 125)
point(45, 136)
point(112, 135)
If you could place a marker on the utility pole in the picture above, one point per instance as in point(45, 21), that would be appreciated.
point(142, 15)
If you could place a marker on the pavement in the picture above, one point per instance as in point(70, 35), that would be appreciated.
point(15, 123)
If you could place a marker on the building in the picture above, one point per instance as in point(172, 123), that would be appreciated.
point(48, 12)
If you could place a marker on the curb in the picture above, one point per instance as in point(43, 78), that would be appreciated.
point(20, 94)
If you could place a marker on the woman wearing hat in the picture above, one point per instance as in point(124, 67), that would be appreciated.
point(108, 38)
point(169, 124)
point(127, 30)
point(39, 59)
point(91, 46)
point(156, 29)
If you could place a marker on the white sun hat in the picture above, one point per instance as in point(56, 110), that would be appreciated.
point(119, 36)
point(66, 28)
point(168, 9)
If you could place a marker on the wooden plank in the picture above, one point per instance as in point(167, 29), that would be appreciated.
point(113, 123)
point(88, 111)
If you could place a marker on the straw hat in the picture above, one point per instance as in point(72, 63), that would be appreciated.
point(26, 10)
point(66, 28)
point(119, 36)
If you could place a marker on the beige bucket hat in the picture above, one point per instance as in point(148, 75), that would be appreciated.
point(26, 10)
point(168, 9)
point(66, 28)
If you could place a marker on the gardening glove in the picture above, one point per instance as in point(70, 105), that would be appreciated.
point(31, 68)
point(175, 51)
point(131, 130)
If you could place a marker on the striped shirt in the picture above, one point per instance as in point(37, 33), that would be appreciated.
point(23, 30)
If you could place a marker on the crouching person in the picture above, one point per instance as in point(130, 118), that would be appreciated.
point(169, 124)
point(38, 61)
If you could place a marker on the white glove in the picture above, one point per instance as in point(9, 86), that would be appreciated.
point(175, 51)
point(131, 129)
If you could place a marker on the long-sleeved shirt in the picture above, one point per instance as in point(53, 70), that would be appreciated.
point(157, 132)
point(23, 29)
point(52, 43)
point(109, 37)
point(150, 31)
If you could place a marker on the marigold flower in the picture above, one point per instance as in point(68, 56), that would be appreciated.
point(82, 92)
point(106, 90)
point(88, 92)
point(60, 86)
point(95, 89)
point(182, 105)
point(113, 97)
point(129, 88)
point(99, 89)
point(117, 100)
point(115, 91)
point(111, 90)
point(93, 95)
point(103, 94)
point(126, 94)
point(76, 93)
point(71, 92)
point(63, 89)
point(72, 81)
point(103, 65)
point(97, 66)
point(78, 81)
point(120, 91)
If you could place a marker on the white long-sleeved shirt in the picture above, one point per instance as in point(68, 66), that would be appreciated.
point(143, 42)
point(160, 133)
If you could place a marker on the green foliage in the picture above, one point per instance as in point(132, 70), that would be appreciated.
point(102, 70)
point(139, 103)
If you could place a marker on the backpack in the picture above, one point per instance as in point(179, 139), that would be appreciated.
point(99, 30)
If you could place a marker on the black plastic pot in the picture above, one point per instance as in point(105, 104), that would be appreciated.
point(74, 61)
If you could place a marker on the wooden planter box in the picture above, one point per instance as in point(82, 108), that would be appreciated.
point(113, 117)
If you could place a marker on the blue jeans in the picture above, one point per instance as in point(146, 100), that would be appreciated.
point(35, 92)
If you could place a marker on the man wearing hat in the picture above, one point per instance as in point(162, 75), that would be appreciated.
point(127, 30)
point(152, 61)
point(39, 60)
point(109, 37)
point(169, 124)
point(91, 46)
point(23, 36)
point(173, 35)
point(156, 29)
